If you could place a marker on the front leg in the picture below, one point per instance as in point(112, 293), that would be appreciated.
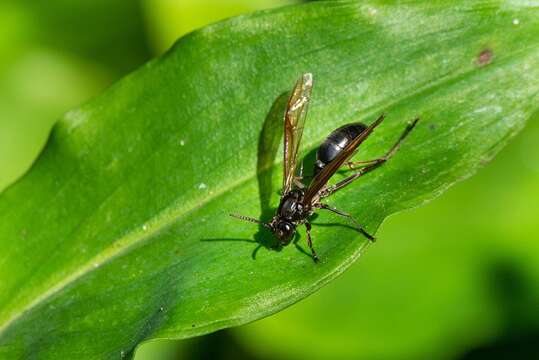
point(309, 241)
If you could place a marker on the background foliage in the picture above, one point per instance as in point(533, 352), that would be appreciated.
point(456, 278)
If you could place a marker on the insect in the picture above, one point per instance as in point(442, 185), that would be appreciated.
point(298, 201)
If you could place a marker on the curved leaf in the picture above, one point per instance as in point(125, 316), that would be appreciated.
point(120, 232)
point(168, 20)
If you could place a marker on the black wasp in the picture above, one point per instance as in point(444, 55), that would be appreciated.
point(298, 201)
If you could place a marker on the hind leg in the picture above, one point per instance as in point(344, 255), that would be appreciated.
point(310, 242)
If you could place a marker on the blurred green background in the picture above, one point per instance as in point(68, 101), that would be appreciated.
point(455, 279)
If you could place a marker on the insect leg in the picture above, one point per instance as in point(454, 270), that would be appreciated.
point(298, 183)
point(348, 216)
point(369, 167)
point(353, 165)
point(333, 188)
point(299, 177)
point(310, 242)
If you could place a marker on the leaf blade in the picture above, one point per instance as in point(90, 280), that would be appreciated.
point(118, 205)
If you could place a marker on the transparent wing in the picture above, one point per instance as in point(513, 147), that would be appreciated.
point(294, 121)
point(327, 172)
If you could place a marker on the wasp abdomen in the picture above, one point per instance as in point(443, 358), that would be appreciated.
point(335, 143)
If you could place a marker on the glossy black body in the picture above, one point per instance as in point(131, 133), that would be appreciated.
point(290, 213)
point(335, 144)
point(291, 207)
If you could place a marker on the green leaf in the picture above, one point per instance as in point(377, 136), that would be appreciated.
point(120, 232)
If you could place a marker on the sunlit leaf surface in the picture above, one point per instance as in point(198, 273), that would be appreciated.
point(120, 233)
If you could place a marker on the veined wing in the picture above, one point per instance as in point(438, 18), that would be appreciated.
point(327, 172)
point(294, 121)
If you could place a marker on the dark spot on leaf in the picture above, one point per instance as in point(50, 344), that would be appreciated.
point(433, 127)
point(484, 57)
point(193, 325)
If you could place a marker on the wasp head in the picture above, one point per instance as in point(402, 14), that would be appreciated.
point(284, 231)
